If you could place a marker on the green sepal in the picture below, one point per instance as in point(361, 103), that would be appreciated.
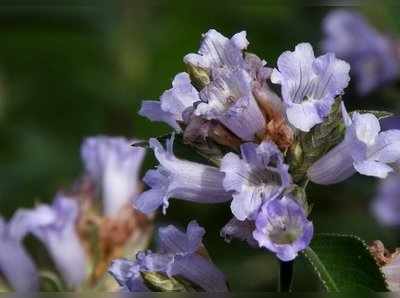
point(158, 282)
point(309, 147)
point(199, 76)
point(377, 114)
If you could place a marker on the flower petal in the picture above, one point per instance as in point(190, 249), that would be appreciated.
point(180, 179)
point(373, 168)
point(15, 263)
point(172, 240)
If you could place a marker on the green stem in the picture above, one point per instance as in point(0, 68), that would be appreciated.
point(285, 276)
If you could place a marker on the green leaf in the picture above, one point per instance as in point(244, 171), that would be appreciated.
point(344, 263)
point(378, 114)
point(309, 147)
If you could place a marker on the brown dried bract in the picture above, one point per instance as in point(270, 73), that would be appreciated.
point(381, 254)
point(277, 128)
point(105, 238)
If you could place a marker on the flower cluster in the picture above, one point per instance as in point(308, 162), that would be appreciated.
point(68, 227)
point(228, 90)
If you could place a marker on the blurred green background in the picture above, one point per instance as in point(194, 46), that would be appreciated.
point(70, 69)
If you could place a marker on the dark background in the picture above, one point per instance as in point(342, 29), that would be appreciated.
point(71, 69)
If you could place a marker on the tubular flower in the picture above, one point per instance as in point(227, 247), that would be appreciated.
point(217, 51)
point(258, 176)
point(365, 149)
point(179, 179)
point(309, 85)
point(229, 99)
point(177, 256)
point(283, 228)
point(54, 226)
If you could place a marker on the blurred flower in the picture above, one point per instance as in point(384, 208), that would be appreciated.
point(112, 168)
point(386, 205)
point(309, 84)
point(179, 179)
point(178, 256)
point(371, 54)
point(173, 103)
point(55, 226)
point(114, 165)
point(365, 149)
point(15, 263)
point(283, 228)
point(259, 176)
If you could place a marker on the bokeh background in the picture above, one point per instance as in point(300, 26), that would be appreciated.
point(71, 69)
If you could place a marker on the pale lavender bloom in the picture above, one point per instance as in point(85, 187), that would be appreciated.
point(114, 165)
point(173, 102)
point(177, 256)
point(283, 228)
point(218, 51)
point(386, 205)
point(15, 264)
point(229, 99)
point(55, 227)
point(365, 149)
point(371, 54)
point(258, 176)
point(309, 85)
point(180, 179)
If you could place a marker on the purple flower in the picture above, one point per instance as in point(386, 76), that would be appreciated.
point(217, 51)
point(229, 99)
point(177, 256)
point(283, 228)
point(365, 149)
point(258, 176)
point(55, 226)
point(179, 179)
point(309, 85)
point(172, 103)
point(15, 264)
point(386, 205)
point(114, 165)
point(372, 55)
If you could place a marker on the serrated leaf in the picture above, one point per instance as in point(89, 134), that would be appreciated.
point(378, 114)
point(309, 147)
point(344, 263)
